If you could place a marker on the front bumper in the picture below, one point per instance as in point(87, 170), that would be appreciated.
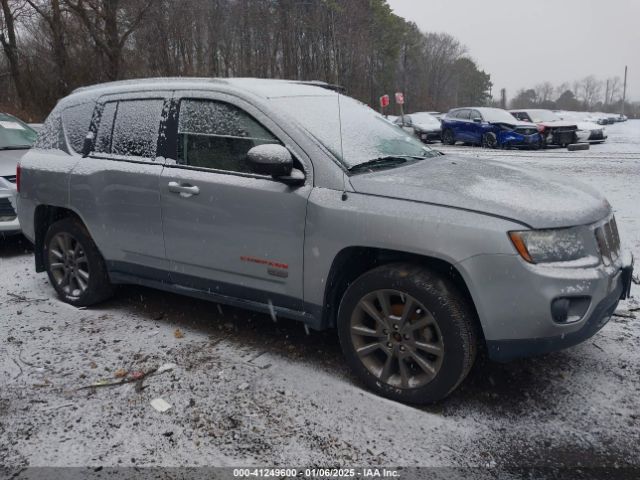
point(8, 212)
point(513, 139)
point(429, 136)
point(514, 300)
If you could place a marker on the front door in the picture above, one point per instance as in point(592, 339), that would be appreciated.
point(227, 230)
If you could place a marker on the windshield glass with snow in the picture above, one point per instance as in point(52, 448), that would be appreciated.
point(351, 131)
point(543, 116)
point(15, 134)
point(495, 115)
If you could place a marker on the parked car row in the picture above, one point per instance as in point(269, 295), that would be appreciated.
point(16, 137)
point(498, 128)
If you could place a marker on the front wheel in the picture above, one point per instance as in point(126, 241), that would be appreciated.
point(75, 267)
point(489, 140)
point(407, 333)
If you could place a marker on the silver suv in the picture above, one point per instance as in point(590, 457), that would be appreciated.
point(292, 199)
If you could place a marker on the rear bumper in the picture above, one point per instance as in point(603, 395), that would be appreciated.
point(429, 136)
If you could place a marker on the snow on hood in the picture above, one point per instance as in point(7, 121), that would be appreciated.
point(530, 197)
point(9, 160)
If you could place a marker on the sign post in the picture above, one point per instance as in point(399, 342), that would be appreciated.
point(400, 101)
point(384, 103)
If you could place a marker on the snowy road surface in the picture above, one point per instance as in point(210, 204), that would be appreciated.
point(248, 391)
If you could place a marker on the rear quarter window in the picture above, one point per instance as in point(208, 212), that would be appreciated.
point(51, 135)
point(76, 121)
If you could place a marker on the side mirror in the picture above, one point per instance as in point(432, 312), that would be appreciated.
point(275, 160)
point(87, 146)
point(477, 120)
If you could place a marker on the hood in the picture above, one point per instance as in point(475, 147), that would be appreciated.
point(9, 161)
point(515, 123)
point(589, 126)
point(428, 126)
point(558, 123)
point(526, 196)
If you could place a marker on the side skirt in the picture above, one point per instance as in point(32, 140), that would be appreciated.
point(313, 320)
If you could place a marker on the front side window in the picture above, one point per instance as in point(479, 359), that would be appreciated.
point(218, 135)
point(475, 115)
point(462, 114)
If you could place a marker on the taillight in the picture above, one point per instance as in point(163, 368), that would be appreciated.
point(18, 178)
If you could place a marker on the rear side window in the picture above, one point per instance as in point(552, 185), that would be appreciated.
point(103, 137)
point(218, 135)
point(76, 122)
point(130, 128)
point(135, 131)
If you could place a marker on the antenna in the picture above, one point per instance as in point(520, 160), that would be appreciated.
point(344, 181)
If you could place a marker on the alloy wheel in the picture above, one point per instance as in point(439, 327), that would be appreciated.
point(397, 339)
point(68, 264)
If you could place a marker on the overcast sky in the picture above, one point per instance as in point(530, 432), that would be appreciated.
point(521, 44)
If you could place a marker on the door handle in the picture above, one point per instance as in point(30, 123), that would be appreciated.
point(184, 189)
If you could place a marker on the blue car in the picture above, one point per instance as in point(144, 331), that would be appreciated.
point(489, 127)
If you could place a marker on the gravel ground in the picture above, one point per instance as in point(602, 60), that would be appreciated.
point(246, 391)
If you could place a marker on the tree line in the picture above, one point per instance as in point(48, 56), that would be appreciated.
point(53, 46)
point(588, 94)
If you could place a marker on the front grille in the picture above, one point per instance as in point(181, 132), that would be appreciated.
point(608, 241)
point(526, 131)
point(6, 210)
point(11, 178)
point(564, 137)
point(596, 135)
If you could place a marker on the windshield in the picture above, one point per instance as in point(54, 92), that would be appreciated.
point(351, 131)
point(424, 118)
point(543, 116)
point(14, 133)
point(496, 115)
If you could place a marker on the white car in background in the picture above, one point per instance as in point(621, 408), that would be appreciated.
point(422, 124)
point(585, 122)
point(16, 137)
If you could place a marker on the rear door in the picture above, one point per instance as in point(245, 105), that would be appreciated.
point(463, 133)
point(116, 188)
point(227, 230)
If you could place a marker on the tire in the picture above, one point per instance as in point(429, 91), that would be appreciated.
point(489, 140)
point(396, 363)
point(79, 276)
point(448, 138)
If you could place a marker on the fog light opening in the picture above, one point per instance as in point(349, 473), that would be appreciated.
point(569, 309)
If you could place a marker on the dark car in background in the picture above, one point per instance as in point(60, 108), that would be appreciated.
point(16, 137)
point(424, 125)
point(553, 129)
point(489, 127)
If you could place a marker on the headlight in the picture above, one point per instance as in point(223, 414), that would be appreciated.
point(556, 245)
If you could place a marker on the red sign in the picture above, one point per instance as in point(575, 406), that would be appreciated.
point(384, 101)
point(400, 98)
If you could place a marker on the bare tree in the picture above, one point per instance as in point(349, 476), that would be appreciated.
point(591, 90)
point(109, 27)
point(9, 42)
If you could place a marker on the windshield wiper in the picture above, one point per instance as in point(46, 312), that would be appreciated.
point(389, 161)
point(16, 147)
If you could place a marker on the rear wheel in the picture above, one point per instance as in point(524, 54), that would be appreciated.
point(407, 333)
point(75, 267)
point(448, 138)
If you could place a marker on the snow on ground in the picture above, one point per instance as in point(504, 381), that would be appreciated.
point(248, 391)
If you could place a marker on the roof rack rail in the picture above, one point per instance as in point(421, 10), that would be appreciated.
point(328, 86)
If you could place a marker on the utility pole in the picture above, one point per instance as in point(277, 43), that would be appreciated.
point(624, 91)
point(503, 98)
point(606, 94)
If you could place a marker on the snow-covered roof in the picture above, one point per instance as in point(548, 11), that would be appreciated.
point(265, 88)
